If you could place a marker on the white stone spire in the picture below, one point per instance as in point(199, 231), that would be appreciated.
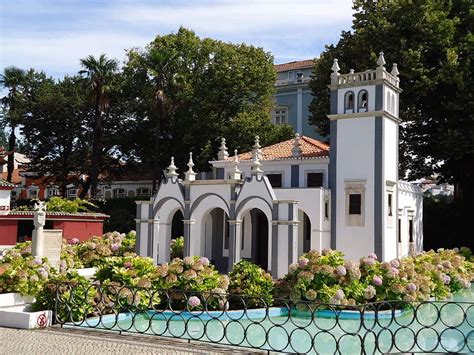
point(335, 72)
point(335, 66)
point(257, 153)
point(223, 153)
point(256, 148)
point(235, 173)
point(296, 150)
point(394, 71)
point(190, 175)
point(172, 174)
point(381, 60)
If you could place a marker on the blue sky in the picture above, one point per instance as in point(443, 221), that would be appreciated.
point(52, 35)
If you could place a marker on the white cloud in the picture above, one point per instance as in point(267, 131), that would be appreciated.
point(40, 36)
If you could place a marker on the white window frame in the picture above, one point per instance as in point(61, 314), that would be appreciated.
point(279, 113)
point(71, 195)
point(115, 194)
point(279, 172)
point(390, 190)
point(355, 187)
point(306, 172)
point(143, 194)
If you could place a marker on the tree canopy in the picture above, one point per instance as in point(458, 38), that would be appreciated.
point(432, 44)
point(180, 93)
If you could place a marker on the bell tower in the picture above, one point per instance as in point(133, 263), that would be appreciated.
point(363, 170)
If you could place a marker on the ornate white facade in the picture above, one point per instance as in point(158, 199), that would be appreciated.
point(275, 203)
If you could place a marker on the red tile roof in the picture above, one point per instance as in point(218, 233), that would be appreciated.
point(299, 64)
point(311, 148)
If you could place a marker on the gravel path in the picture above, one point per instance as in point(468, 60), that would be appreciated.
point(77, 341)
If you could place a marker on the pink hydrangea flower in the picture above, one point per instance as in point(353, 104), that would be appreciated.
point(74, 241)
point(369, 292)
point(194, 301)
point(377, 280)
point(204, 261)
point(115, 247)
point(446, 279)
point(339, 295)
point(372, 256)
point(341, 270)
point(411, 287)
point(127, 264)
point(395, 263)
point(303, 262)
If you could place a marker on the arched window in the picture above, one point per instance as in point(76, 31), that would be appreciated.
point(349, 101)
point(363, 100)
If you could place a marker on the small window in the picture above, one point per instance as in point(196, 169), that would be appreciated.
point(119, 192)
point(410, 230)
point(399, 230)
point(275, 180)
point(33, 194)
point(363, 99)
point(72, 193)
point(390, 202)
point(355, 204)
point(299, 77)
point(291, 75)
point(143, 191)
point(281, 116)
point(349, 102)
point(314, 180)
point(326, 209)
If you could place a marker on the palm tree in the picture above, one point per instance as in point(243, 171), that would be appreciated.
point(98, 72)
point(161, 66)
point(13, 79)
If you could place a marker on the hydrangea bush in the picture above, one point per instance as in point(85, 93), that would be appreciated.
point(327, 278)
point(252, 283)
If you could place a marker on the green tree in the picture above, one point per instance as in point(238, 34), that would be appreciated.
point(15, 80)
point(99, 73)
point(53, 130)
point(209, 89)
point(432, 43)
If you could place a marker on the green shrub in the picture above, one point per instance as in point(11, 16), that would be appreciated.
point(94, 251)
point(23, 273)
point(252, 283)
point(177, 247)
point(62, 286)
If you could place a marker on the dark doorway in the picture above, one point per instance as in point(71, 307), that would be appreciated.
point(177, 225)
point(306, 233)
point(259, 238)
point(219, 239)
point(26, 227)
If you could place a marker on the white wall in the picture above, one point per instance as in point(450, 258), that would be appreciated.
point(355, 161)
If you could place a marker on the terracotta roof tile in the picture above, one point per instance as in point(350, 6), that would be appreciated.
point(300, 64)
point(311, 148)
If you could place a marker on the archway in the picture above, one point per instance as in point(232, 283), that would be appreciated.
point(177, 231)
point(304, 233)
point(255, 237)
point(215, 229)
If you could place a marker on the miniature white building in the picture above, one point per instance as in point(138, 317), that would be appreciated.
point(275, 203)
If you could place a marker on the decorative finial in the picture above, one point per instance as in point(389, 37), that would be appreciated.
point(381, 60)
point(256, 148)
point(394, 71)
point(172, 170)
point(351, 71)
point(190, 175)
point(335, 67)
point(296, 150)
point(223, 154)
point(256, 165)
point(235, 173)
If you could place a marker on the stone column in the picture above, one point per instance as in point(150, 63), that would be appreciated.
point(143, 229)
point(161, 242)
point(191, 244)
point(235, 242)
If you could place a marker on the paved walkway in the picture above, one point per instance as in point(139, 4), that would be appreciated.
point(77, 341)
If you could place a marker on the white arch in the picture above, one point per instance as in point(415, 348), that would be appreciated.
point(199, 215)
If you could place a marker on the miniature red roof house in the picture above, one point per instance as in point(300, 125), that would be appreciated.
point(17, 226)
